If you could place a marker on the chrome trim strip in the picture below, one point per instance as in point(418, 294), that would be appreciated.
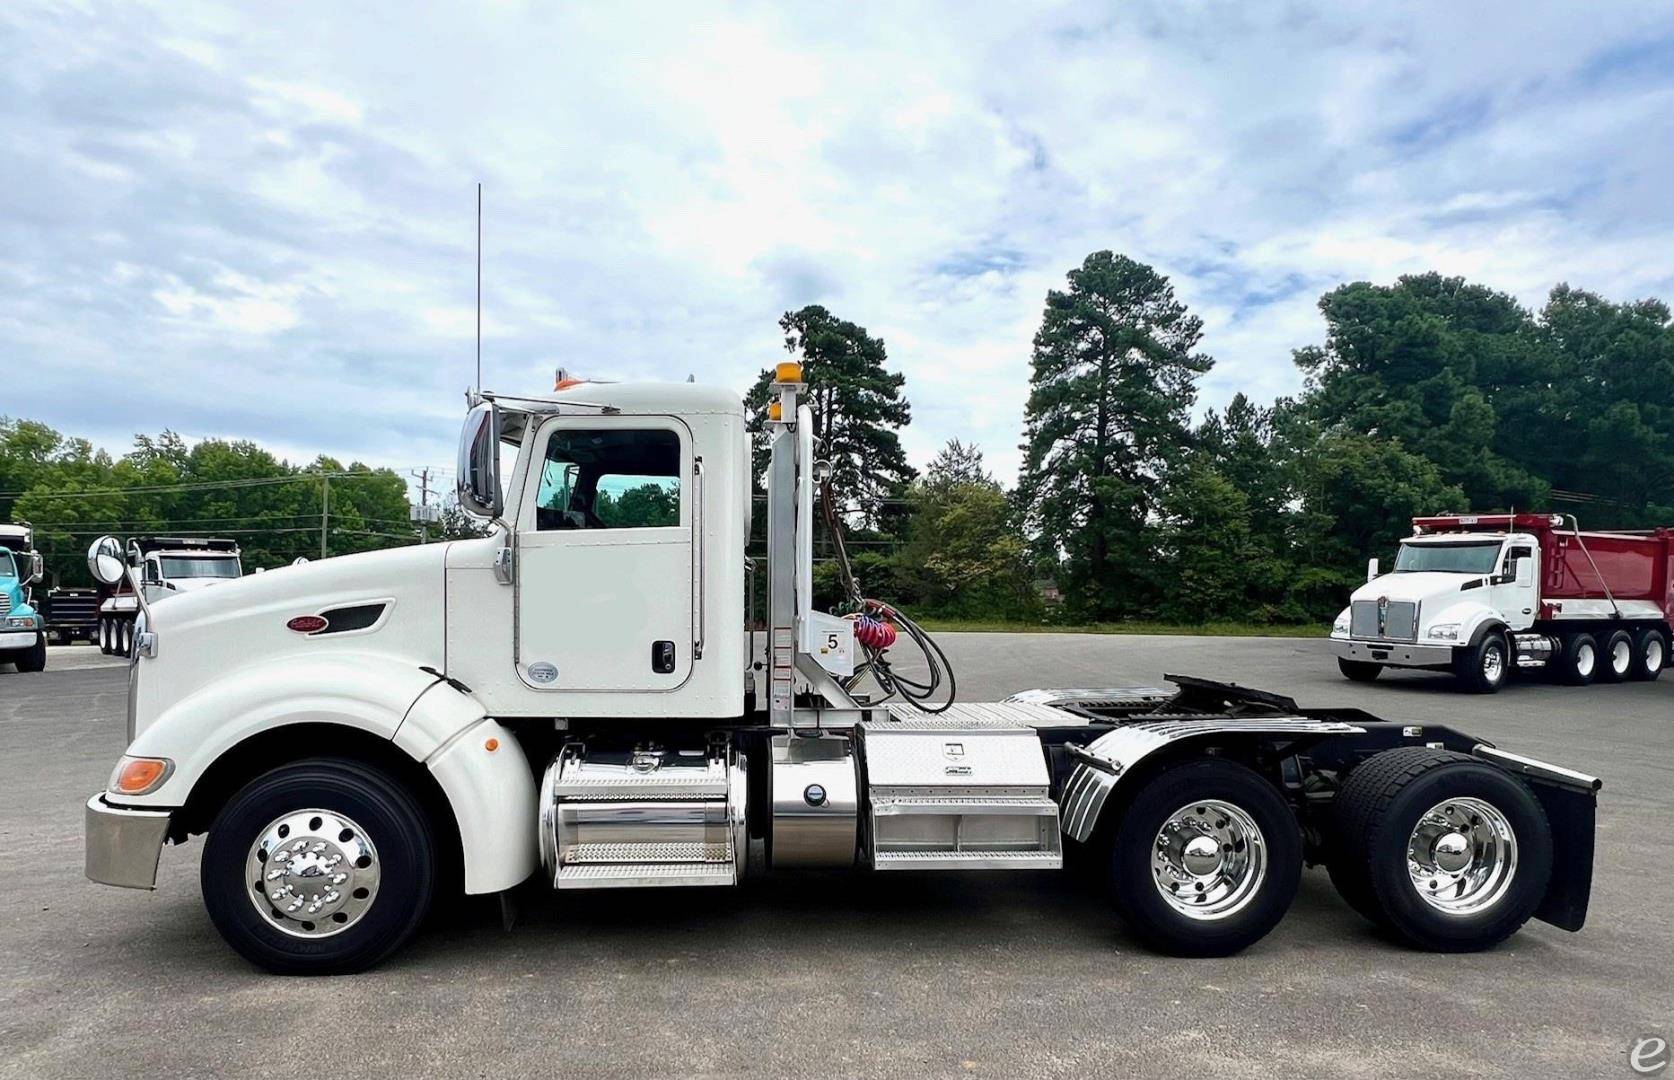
point(1540, 770)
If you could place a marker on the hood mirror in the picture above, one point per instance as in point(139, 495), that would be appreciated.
point(104, 560)
point(1371, 570)
point(479, 462)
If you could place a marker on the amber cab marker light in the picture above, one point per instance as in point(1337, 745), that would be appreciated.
point(491, 745)
point(138, 775)
point(775, 412)
point(788, 371)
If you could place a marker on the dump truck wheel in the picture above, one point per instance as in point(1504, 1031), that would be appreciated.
point(1358, 670)
point(1451, 853)
point(323, 867)
point(1481, 669)
point(34, 657)
point(1578, 661)
point(1615, 656)
point(1206, 859)
point(1650, 654)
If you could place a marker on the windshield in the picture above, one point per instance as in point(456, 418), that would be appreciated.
point(176, 567)
point(1477, 558)
point(8, 568)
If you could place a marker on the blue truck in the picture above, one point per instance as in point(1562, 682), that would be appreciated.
point(22, 627)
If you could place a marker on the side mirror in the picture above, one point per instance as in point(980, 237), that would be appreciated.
point(37, 568)
point(479, 462)
point(104, 560)
point(1371, 569)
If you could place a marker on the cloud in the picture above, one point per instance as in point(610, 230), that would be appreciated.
point(275, 214)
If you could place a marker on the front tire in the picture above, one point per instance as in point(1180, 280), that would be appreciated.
point(1206, 859)
point(323, 867)
point(1358, 670)
point(1650, 654)
point(1447, 852)
point(1481, 668)
point(34, 657)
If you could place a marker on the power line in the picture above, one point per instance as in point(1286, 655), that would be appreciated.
point(203, 485)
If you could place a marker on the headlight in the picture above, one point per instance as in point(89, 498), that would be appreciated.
point(20, 622)
point(1340, 628)
point(1447, 631)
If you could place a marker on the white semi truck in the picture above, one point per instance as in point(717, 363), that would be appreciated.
point(1484, 595)
point(577, 697)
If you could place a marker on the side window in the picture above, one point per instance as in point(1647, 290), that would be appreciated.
point(1515, 556)
point(609, 478)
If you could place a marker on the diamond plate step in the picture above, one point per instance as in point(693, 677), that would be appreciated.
point(651, 852)
point(626, 875)
point(967, 860)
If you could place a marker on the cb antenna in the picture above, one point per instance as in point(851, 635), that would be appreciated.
point(479, 286)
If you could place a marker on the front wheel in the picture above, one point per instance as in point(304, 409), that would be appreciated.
point(1358, 670)
point(34, 657)
point(1447, 852)
point(323, 867)
point(1206, 860)
point(1481, 668)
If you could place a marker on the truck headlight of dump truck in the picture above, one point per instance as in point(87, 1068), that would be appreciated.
point(1340, 628)
point(21, 622)
point(1447, 631)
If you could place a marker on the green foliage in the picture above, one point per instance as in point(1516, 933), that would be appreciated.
point(857, 407)
point(963, 554)
point(1114, 378)
point(213, 488)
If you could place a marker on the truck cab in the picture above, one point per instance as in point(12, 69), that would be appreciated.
point(22, 626)
point(583, 697)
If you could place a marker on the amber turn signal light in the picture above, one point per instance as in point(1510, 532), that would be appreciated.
point(138, 775)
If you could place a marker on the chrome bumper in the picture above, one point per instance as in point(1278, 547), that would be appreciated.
point(1393, 653)
point(124, 843)
point(17, 639)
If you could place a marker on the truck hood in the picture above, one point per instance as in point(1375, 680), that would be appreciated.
point(217, 633)
point(1415, 587)
point(12, 589)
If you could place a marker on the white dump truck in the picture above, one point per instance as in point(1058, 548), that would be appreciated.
point(578, 698)
point(167, 566)
point(1484, 595)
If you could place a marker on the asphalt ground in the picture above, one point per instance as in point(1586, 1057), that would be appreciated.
point(829, 975)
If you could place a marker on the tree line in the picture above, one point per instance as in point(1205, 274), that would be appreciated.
point(1429, 395)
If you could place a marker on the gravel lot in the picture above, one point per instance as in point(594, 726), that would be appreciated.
point(836, 976)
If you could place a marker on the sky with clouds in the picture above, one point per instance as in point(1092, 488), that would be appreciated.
point(258, 220)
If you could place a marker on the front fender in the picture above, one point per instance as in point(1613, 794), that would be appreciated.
point(366, 691)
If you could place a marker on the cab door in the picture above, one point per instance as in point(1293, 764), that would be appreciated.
point(1512, 590)
point(605, 559)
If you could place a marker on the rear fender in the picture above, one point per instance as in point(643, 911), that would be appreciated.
point(1112, 759)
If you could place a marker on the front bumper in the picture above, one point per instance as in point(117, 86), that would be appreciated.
point(18, 639)
point(1393, 653)
point(124, 843)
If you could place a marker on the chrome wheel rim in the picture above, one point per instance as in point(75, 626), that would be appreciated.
point(1493, 664)
point(312, 873)
point(1462, 856)
point(1621, 656)
point(1653, 654)
point(1585, 657)
point(1208, 860)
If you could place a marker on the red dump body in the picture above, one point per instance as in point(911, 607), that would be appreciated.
point(1636, 565)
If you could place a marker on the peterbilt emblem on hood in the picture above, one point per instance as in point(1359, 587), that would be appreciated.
point(308, 624)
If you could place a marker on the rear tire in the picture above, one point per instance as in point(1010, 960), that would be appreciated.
point(104, 636)
point(1578, 662)
point(1615, 656)
point(1650, 654)
point(1447, 852)
point(1227, 843)
point(376, 815)
point(1358, 670)
point(1481, 669)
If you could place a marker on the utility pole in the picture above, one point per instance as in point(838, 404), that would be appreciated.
point(325, 511)
point(423, 476)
